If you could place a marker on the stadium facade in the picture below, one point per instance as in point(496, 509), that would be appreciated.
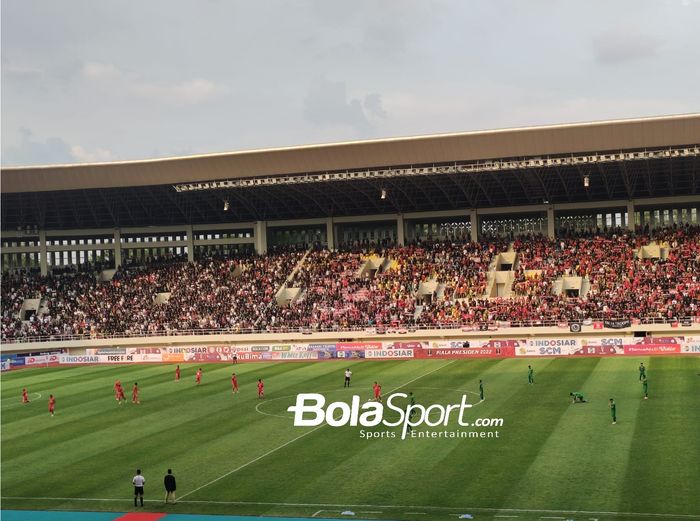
point(540, 180)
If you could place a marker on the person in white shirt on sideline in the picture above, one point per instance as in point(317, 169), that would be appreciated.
point(348, 374)
point(138, 482)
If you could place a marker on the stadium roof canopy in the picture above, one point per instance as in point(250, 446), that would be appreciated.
point(625, 159)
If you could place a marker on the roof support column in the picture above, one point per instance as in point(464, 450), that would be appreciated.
point(474, 222)
point(260, 237)
point(190, 242)
point(43, 260)
point(117, 248)
point(630, 215)
point(550, 222)
point(330, 233)
point(400, 230)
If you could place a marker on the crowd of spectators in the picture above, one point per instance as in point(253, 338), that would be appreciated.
point(621, 282)
point(210, 294)
point(434, 282)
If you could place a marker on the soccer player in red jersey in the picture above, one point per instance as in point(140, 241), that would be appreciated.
point(52, 404)
point(177, 373)
point(261, 390)
point(377, 392)
point(234, 383)
point(198, 376)
point(135, 394)
point(119, 392)
point(25, 396)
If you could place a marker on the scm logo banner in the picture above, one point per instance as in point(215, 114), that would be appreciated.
point(549, 347)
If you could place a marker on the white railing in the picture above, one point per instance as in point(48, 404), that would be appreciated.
point(365, 329)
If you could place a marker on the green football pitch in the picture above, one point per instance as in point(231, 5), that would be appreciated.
point(240, 455)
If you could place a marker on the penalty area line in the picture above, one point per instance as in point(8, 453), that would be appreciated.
point(333, 506)
point(272, 451)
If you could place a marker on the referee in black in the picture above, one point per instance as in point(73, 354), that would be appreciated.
point(138, 482)
point(169, 482)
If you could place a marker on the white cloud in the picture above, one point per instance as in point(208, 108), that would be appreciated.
point(52, 150)
point(100, 71)
point(33, 151)
point(188, 92)
point(96, 156)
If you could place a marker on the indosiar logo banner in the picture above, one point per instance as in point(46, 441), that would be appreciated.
point(549, 347)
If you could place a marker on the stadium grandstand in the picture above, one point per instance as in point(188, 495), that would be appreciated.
point(548, 227)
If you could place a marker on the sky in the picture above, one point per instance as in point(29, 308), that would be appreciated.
point(104, 80)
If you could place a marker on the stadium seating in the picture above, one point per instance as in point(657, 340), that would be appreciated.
point(431, 284)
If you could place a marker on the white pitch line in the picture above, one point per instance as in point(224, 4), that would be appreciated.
point(11, 403)
point(317, 513)
point(415, 513)
point(337, 505)
point(504, 516)
point(272, 451)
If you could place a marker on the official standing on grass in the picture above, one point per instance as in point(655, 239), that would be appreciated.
point(169, 482)
point(481, 390)
point(645, 387)
point(613, 411)
point(530, 375)
point(138, 482)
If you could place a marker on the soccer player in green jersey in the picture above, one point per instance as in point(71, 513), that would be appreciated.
point(645, 387)
point(577, 397)
point(613, 411)
point(530, 375)
point(481, 390)
point(642, 371)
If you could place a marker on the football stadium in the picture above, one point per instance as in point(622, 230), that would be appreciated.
point(482, 325)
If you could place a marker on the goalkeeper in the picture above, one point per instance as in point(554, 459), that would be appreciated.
point(577, 397)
